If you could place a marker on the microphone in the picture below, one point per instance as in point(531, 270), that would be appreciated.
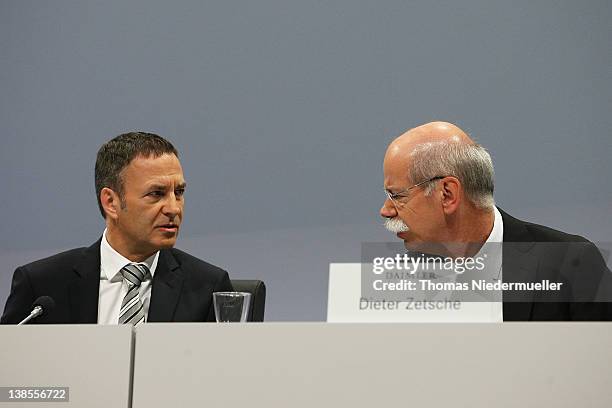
point(43, 304)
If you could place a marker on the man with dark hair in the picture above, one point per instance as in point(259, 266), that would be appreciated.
point(439, 187)
point(132, 274)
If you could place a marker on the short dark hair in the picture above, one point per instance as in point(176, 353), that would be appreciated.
point(117, 153)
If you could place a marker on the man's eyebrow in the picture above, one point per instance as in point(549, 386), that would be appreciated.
point(156, 187)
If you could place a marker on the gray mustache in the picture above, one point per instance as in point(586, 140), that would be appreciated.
point(396, 225)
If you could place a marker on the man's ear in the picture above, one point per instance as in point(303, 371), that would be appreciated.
point(110, 202)
point(451, 190)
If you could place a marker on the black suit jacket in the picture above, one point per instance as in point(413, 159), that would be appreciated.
point(534, 252)
point(181, 290)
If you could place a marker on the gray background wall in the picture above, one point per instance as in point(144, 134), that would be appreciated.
point(282, 111)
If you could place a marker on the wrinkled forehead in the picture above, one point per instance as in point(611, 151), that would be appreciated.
point(396, 169)
point(147, 169)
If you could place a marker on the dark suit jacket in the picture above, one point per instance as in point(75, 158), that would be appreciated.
point(181, 290)
point(534, 252)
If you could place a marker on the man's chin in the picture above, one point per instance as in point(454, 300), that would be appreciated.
point(166, 243)
point(402, 235)
point(408, 240)
point(412, 243)
point(405, 236)
point(165, 238)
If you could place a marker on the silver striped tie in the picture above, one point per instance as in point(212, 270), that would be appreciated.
point(132, 310)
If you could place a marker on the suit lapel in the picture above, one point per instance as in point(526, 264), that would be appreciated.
point(166, 289)
point(84, 289)
point(519, 265)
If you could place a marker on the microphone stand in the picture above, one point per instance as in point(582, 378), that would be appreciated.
point(37, 311)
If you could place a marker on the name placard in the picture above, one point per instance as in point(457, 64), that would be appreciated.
point(345, 303)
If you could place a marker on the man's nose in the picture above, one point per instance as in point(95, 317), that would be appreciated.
point(172, 207)
point(388, 210)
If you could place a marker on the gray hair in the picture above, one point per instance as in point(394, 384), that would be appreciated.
point(470, 163)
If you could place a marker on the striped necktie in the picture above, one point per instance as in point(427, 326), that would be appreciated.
point(132, 310)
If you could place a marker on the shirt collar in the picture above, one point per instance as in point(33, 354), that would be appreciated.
point(491, 251)
point(111, 262)
point(497, 233)
point(496, 236)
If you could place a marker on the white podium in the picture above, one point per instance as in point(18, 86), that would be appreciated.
point(373, 365)
point(93, 361)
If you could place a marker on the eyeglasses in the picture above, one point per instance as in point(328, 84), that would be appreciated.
point(395, 197)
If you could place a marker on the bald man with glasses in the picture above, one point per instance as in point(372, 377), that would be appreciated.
point(439, 185)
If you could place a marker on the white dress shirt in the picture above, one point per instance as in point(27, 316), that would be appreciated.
point(113, 287)
point(492, 251)
point(479, 311)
